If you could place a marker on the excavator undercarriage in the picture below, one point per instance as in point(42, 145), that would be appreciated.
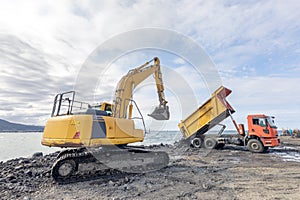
point(76, 164)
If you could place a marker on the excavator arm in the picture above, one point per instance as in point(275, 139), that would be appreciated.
point(126, 86)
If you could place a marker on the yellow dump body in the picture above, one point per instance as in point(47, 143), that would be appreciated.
point(211, 113)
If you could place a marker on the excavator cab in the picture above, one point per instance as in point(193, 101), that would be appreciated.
point(160, 113)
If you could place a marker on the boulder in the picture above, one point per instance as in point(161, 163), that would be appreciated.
point(37, 154)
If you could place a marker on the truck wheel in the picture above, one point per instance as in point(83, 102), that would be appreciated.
point(210, 143)
point(196, 142)
point(255, 146)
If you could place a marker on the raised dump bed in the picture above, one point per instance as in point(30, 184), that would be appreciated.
point(211, 113)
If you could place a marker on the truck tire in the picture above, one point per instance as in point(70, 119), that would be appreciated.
point(196, 142)
point(210, 143)
point(255, 146)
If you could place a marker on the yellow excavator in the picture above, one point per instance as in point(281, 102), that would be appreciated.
point(101, 133)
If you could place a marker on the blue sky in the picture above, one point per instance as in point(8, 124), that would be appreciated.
point(254, 45)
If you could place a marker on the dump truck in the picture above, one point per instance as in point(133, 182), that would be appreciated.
point(261, 134)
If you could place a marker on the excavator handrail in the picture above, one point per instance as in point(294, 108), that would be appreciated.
point(59, 99)
point(72, 103)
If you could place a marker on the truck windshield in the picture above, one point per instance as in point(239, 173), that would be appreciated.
point(271, 122)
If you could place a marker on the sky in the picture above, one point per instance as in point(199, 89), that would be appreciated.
point(251, 46)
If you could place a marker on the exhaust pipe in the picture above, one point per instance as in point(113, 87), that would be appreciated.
point(160, 113)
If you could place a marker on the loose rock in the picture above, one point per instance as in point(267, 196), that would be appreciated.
point(37, 154)
point(192, 174)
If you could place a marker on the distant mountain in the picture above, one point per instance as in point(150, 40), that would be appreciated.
point(6, 126)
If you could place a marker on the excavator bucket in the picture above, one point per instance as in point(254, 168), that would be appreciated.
point(160, 113)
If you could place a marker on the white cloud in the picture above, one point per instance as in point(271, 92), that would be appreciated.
point(276, 96)
point(179, 61)
point(44, 45)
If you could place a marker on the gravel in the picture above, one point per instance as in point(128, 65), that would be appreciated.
point(230, 173)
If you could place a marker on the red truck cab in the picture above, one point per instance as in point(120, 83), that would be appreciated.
point(263, 129)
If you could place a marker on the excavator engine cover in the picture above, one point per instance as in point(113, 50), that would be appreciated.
point(160, 113)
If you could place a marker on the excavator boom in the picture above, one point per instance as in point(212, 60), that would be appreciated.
point(130, 81)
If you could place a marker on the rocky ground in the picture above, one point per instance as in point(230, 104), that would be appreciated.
point(230, 173)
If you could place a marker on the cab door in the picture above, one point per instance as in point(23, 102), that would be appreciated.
point(258, 126)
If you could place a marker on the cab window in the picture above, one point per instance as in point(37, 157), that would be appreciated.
point(108, 110)
point(259, 121)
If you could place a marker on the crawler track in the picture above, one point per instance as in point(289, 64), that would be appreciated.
point(85, 164)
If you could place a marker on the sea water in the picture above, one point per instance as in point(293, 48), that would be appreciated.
point(19, 144)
